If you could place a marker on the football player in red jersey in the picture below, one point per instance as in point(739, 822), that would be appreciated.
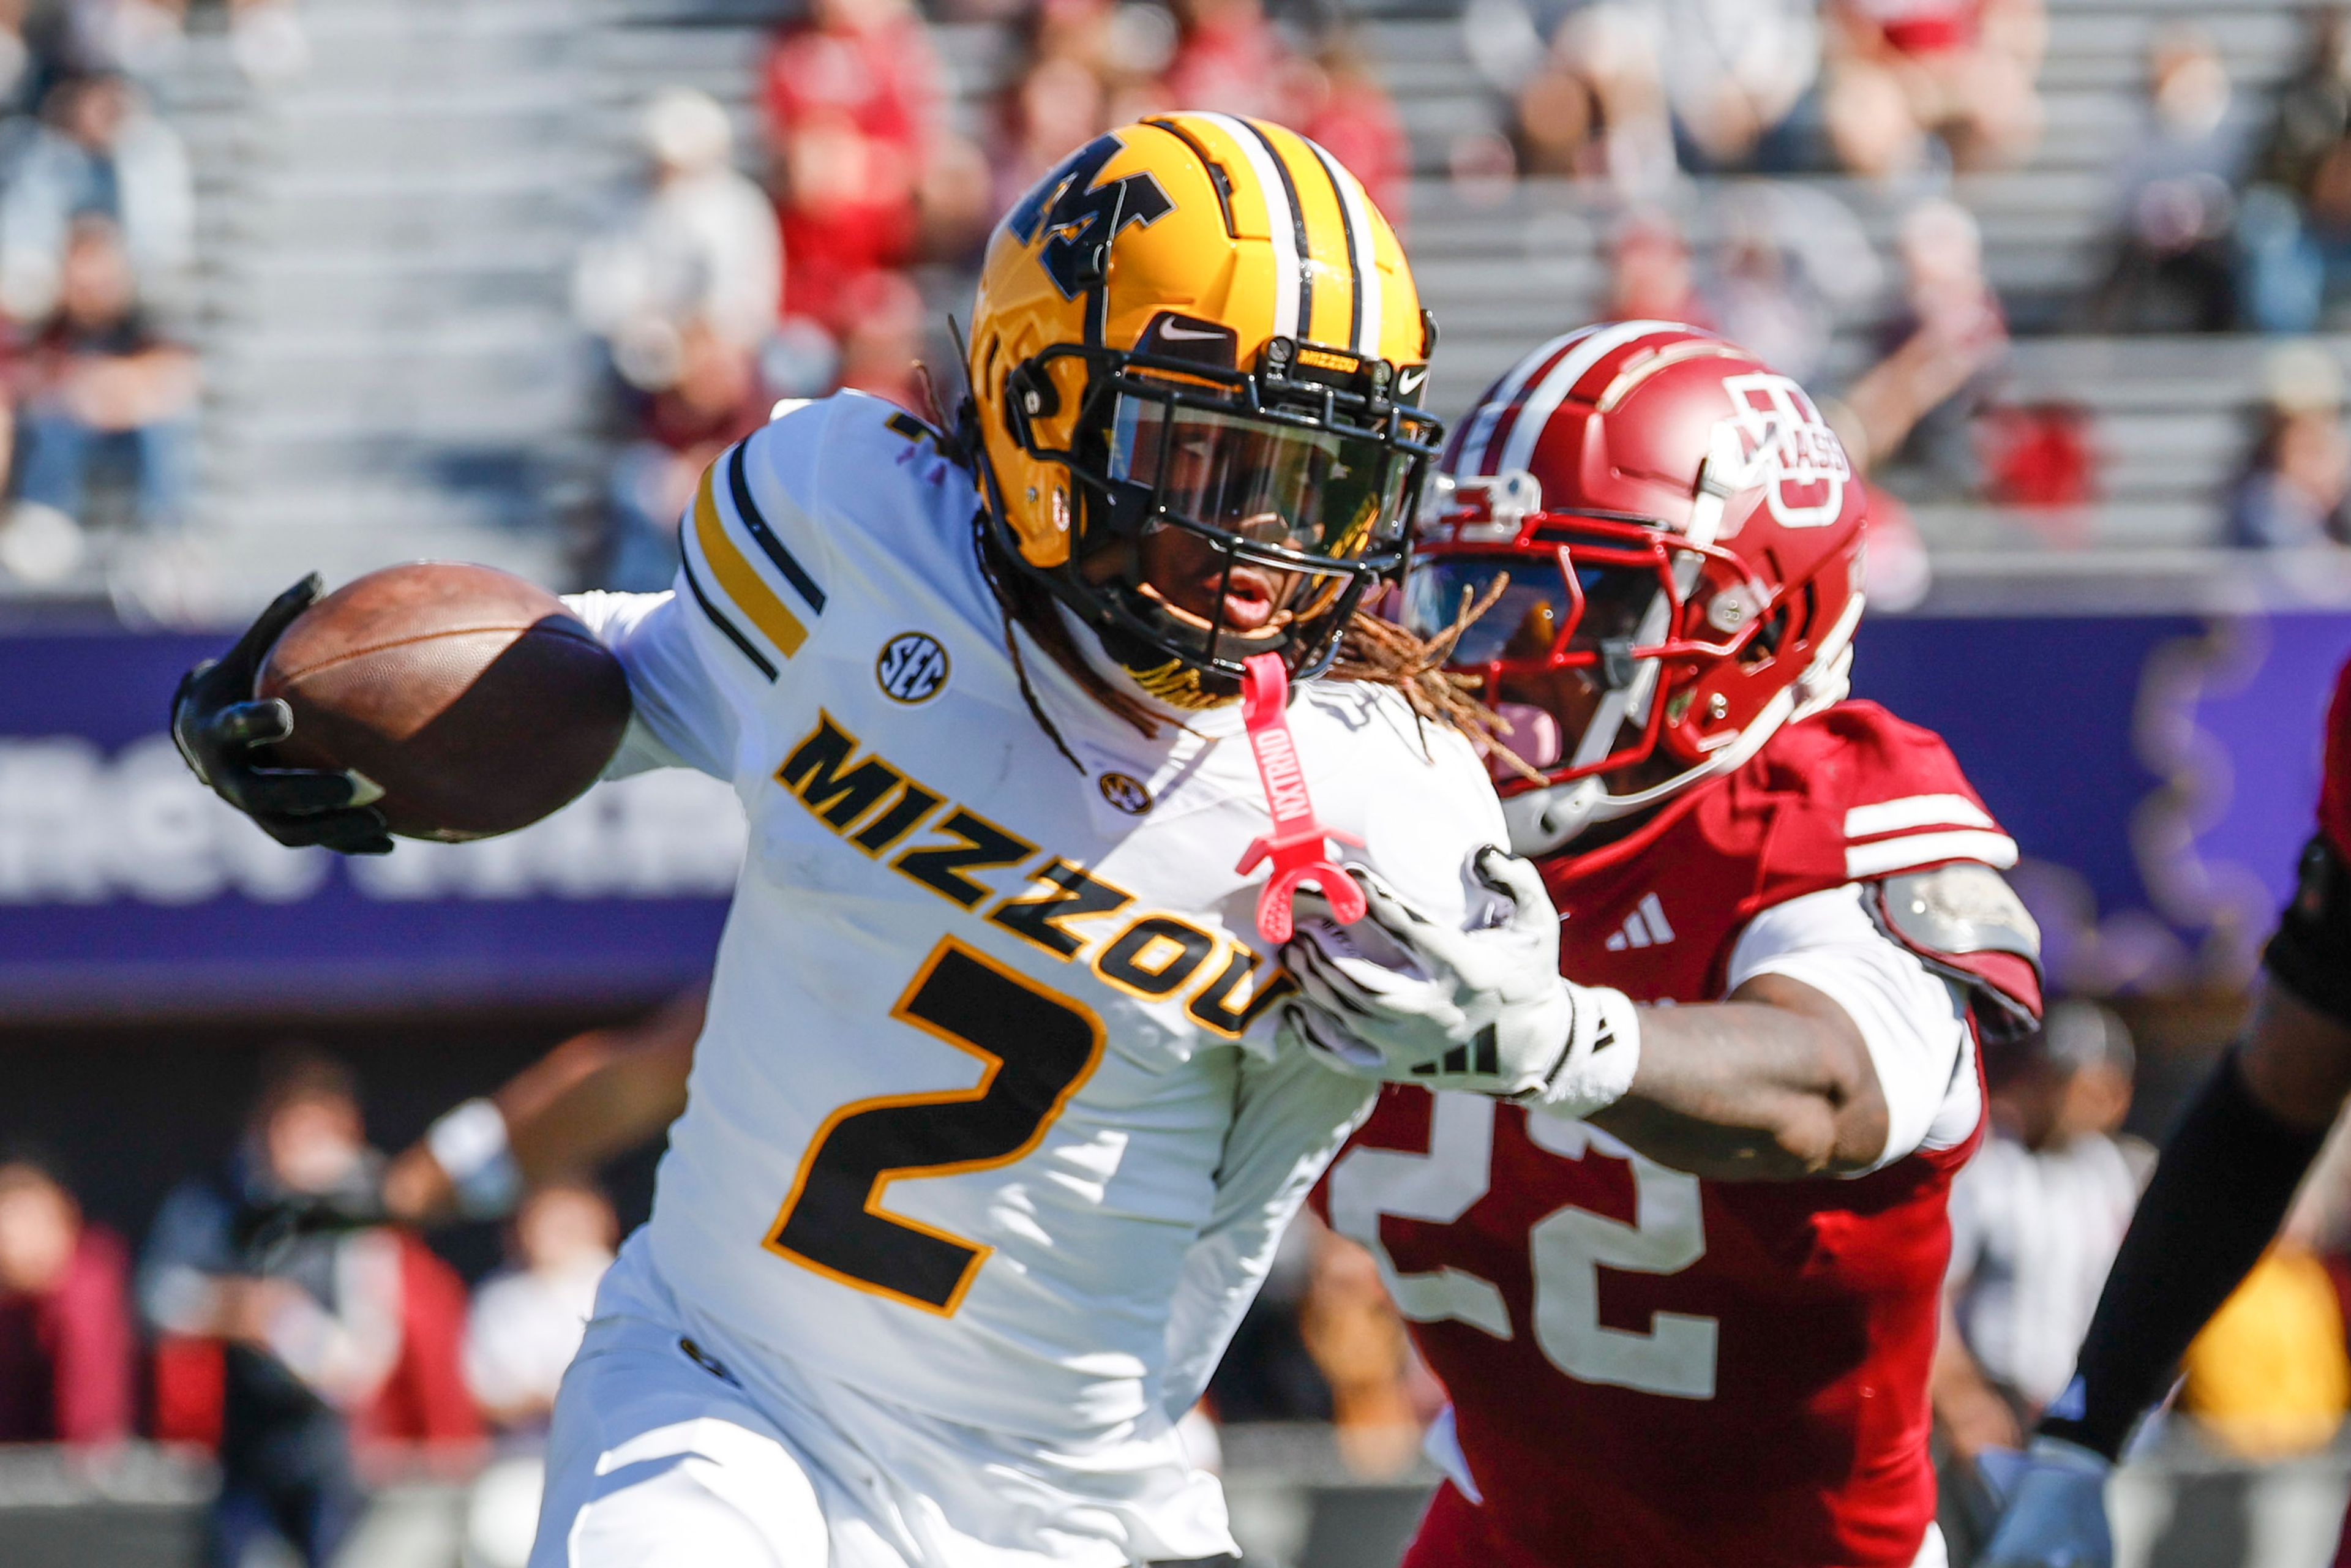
point(1684, 1294)
point(2219, 1191)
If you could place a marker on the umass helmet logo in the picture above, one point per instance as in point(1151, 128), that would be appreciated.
point(1790, 450)
point(1081, 218)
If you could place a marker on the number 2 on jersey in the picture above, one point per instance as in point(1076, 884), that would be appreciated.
point(1038, 1046)
point(1567, 1248)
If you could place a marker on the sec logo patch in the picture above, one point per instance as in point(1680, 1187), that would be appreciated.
point(1126, 792)
point(911, 668)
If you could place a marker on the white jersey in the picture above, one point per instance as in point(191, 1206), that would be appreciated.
point(988, 1122)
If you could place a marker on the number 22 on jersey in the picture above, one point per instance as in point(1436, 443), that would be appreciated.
point(1567, 1248)
point(1038, 1046)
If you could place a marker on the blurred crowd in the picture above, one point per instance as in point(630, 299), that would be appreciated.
point(813, 235)
point(271, 1318)
point(266, 1320)
point(713, 293)
point(2037, 1217)
point(97, 253)
point(817, 242)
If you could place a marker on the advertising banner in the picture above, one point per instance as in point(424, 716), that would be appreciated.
point(126, 887)
point(2157, 772)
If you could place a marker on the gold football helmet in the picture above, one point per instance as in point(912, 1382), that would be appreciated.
point(1197, 356)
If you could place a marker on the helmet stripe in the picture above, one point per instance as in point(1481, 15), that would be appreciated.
point(1293, 290)
point(1222, 182)
point(1549, 394)
point(1363, 259)
point(1501, 400)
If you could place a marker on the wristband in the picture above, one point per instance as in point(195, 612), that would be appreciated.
point(1604, 1052)
point(2311, 954)
point(470, 1144)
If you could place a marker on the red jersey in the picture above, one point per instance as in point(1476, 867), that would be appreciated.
point(2335, 790)
point(2335, 822)
point(1646, 1367)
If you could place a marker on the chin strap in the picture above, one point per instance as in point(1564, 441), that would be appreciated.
point(1543, 821)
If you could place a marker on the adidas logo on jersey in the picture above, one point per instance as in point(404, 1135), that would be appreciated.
point(1645, 928)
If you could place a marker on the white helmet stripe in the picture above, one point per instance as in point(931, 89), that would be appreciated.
point(1544, 400)
point(1280, 221)
point(1361, 255)
point(1506, 391)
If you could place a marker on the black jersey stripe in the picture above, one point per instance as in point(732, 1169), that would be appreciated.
point(738, 484)
point(733, 633)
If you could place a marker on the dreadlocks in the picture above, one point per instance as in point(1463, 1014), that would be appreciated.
point(1379, 652)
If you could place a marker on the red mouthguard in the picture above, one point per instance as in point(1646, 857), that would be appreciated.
point(1297, 844)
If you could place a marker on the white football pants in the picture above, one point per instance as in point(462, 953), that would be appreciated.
point(655, 1462)
point(658, 1459)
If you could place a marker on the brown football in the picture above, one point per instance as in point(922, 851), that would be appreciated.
point(471, 696)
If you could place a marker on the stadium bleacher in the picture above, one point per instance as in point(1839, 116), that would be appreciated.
point(391, 370)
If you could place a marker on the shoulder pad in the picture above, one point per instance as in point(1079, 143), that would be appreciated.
point(1964, 921)
point(1957, 909)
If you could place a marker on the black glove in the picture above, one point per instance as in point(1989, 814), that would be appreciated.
point(216, 722)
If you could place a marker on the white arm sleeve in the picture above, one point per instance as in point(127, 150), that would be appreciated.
point(1912, 1020)
point(682, 718)
point(1290, 1118)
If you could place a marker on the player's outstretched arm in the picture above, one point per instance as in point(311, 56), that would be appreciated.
point(218, 726)
point(596, 1095)
point(1775, 1083)
point(2220, 1190)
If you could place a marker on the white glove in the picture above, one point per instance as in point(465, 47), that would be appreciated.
point(1406, 1000)
point(2055, 1515)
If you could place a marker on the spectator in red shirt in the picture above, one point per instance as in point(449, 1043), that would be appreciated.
point(1651, 276)
point(66, 1345)
point(877, 355)
point(855, 101)
point(1230, 59)
point(1341, 103)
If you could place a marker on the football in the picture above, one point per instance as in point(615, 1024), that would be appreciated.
point(473, 698)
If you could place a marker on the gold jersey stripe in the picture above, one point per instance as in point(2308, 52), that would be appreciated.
point(736, 579)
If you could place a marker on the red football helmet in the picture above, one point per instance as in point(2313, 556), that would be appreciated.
point(1682, 536)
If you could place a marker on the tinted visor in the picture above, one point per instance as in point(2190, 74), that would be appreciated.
point(1526, 621)
point(1314, 492)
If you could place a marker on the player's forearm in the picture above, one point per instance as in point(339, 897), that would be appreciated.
point(2230, 1169)
point(602, 1093)
point(596, 1095)
point(1749, 1091)
point(627, 1100)
point(2219, 1194)
point(2296, 1061)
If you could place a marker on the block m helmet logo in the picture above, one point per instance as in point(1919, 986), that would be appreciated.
point(1079, 218)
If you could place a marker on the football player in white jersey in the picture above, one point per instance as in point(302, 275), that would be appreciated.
point(990, 1132)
